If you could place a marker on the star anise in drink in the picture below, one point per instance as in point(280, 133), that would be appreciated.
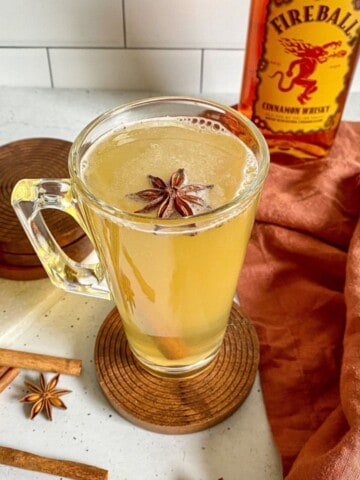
point(44, 396)
point(172, 196)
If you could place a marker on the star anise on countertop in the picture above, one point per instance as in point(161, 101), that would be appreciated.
point(171, 197)
point(45, 396)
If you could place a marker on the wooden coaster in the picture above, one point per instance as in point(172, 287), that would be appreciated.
point(12, 272)
point(177, 406)
point(34, 158)
point(28, 267)
point(76, 251)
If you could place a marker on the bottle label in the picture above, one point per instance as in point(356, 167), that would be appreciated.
point(305, 63)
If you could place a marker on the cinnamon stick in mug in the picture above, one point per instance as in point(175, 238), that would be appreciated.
point(40, 362)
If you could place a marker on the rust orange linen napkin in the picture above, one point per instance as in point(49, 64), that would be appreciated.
point(301, 286)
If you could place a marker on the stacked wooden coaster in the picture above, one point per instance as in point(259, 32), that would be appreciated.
point(34, 158)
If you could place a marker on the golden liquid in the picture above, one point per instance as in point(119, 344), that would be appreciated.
point(173, 291)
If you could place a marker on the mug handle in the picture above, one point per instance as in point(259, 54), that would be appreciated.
point(31, 196)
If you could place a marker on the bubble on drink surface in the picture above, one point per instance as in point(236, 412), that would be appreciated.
point(250, 171)
point(83, 165)
point(122, 160)
point(202, 123)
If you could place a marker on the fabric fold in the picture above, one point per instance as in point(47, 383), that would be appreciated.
point(301, 286)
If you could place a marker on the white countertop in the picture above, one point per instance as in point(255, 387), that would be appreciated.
point(35, 316)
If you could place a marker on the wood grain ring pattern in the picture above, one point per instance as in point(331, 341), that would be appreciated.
point(184, 405)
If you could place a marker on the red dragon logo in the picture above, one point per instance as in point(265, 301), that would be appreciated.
point(309, 56)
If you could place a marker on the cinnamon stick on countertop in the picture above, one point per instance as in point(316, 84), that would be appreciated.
point(7, 375)
point(37, 361)
point(52, 466)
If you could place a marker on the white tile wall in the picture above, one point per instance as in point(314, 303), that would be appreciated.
point(355, 82)
point(70, 23)
point(157, 70)
point(26, 67)
point(222, 71)
point(186, 23)
point(175, 46)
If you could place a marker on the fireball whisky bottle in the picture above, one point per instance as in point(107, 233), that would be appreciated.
point(300, 58)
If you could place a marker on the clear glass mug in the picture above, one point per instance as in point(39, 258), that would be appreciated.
point(173, 279)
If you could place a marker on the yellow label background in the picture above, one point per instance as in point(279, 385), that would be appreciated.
point(329, 75)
